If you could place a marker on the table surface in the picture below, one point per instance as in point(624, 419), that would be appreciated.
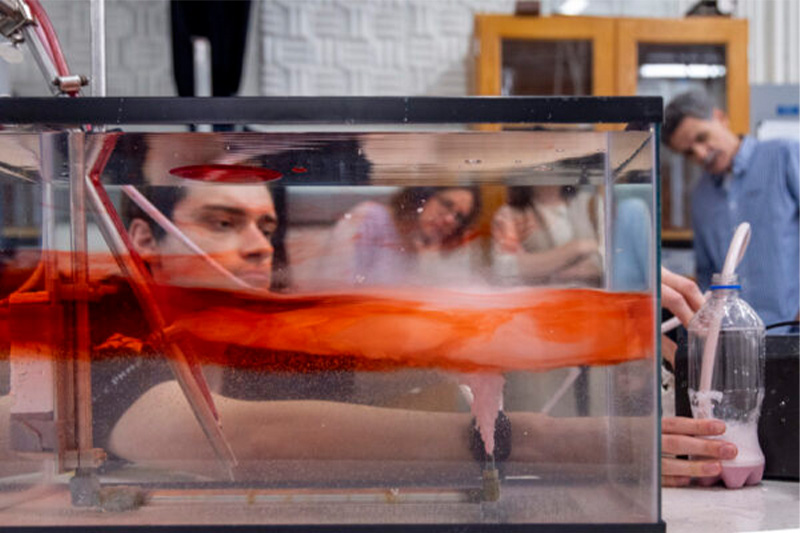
point(770, 506)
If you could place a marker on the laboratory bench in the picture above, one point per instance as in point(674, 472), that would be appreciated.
point(769, 506)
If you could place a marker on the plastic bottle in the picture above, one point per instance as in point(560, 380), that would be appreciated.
point(731, 386)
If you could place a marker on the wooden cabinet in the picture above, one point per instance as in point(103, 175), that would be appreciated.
point(622, 56)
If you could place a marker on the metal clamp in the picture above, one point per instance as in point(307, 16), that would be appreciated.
point(70, 84)
point(14, 15)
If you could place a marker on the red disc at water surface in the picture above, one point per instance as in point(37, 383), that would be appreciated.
point(226, 173)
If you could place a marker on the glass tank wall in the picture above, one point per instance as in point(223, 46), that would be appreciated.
point(352, 322)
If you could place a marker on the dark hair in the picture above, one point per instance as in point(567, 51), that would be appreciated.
point(520, 197)
point(406, 204)
point(163, 198)
point(695, 104)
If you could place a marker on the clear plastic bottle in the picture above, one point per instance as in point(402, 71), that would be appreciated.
point(731, 336)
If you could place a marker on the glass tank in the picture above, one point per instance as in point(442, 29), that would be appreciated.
point(405, 312)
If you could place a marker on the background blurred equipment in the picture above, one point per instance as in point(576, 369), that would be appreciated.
point(775, 111)
point(711, 8)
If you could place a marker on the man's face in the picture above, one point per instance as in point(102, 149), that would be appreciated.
point(233, 224)
point(444, 213)
point(707, 142)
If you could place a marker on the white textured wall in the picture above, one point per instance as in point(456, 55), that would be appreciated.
point(421, 47)
point(369, 47)
point(360, 47)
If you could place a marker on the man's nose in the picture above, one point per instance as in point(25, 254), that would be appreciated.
point(254, 244)
point(450, 217)
point(699, 153)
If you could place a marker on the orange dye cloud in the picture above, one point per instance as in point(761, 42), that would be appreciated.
point(527, 329)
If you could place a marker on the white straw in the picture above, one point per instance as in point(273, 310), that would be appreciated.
point(735, 253)
point(741, 238)
point(173, 230)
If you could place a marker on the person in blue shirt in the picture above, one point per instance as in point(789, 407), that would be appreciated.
point(745, 180)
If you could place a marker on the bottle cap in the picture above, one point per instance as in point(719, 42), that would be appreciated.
point(720, 282)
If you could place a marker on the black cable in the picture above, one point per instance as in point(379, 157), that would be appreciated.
point(785, 323)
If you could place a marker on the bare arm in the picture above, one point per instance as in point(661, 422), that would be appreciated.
point(160, 427)
point(159, 430)
point(586, 269)
point(547, 262)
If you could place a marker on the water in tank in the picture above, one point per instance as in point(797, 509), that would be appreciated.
point(443, 322)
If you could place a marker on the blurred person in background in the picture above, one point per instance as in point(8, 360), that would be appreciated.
point(744, 180)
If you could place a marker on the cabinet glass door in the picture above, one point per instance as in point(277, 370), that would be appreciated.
point(544, 55)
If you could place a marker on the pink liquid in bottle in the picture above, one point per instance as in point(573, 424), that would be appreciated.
point(747, 468)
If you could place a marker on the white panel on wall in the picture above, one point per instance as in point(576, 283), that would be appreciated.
point(369, 47)
point(138, 48)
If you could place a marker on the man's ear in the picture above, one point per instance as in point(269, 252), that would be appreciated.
point(144, 242)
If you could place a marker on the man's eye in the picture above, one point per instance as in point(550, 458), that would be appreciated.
point(701, 138)
point(219, 224)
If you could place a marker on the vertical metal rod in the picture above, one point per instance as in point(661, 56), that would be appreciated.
point(608, 215)
point(201, 54)
point(97, 14)
point(47, 166)
point(80, 283)
point(677, 184)
point(62, 370)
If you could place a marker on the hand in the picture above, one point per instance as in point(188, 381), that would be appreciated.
point(680, 295)
point(684, 436)
point(505, 235)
